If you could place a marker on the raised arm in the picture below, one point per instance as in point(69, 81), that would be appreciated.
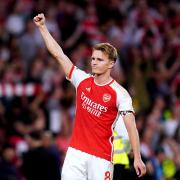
point(52, 46)
point(130, 124)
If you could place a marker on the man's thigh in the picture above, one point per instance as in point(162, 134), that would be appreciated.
point(75, 166)
point(99, 169)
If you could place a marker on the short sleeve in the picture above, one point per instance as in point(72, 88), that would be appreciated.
point(76, 76)
point(123, 100)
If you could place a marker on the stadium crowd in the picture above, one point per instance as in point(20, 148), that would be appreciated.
point(36, 97)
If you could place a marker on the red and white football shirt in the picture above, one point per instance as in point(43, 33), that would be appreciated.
point(97, 108)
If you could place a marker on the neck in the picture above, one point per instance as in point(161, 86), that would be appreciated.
point(102, 79)
point(35, 145)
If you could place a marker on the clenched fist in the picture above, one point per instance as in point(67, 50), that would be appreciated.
point(39, 20)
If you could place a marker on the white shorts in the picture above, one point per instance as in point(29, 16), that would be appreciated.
point(79, 165)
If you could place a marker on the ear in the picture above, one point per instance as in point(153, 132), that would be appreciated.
point(111, 64)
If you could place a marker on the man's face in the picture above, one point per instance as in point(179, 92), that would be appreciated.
point(100, 63)
point(9, 154)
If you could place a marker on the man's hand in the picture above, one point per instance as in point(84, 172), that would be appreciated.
point(39, 20)
point(139, 167)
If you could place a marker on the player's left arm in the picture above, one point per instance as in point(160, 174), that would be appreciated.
point(129, 120)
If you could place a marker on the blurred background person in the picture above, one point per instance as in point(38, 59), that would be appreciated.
point(39, 162)
point(8, 168)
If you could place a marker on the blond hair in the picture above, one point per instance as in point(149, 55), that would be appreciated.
point(108, 49)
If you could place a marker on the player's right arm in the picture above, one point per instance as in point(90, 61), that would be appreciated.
point(52, 46)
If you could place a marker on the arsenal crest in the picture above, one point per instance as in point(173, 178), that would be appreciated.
point(106, 97)
point(88, 89)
